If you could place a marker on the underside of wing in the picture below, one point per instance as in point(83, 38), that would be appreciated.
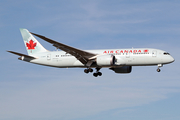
point(82, 56)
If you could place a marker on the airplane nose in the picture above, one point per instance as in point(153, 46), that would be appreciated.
point(171, 59)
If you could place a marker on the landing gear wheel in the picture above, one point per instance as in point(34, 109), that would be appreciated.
point(158, 70)
point(86, 70)
point(99, 73)
point(90, 70)
point(95, 74)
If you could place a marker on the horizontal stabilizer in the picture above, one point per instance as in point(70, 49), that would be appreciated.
point(20, 54)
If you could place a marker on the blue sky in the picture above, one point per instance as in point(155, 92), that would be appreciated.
point(34, 92)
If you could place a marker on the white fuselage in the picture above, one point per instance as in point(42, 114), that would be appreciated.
point(118, 60)
point(124, 57)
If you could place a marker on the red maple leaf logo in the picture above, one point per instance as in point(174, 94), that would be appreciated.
point(31, 45)
point(146, 51)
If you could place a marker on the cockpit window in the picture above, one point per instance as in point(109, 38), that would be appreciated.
point(166, 53)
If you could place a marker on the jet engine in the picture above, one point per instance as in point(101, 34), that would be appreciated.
point(124, 69)
point(105, 60)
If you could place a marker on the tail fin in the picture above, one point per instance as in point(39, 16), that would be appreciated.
point(32, 45)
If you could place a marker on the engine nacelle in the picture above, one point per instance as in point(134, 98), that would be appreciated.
point(105, 60)
point(124, 69)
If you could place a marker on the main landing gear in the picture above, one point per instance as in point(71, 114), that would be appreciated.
point(97, 73)
point(158, 69)
point(88, 70)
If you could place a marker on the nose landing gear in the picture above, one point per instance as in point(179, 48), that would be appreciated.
point(158, 69)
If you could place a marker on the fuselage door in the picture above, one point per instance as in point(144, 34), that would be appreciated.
point(154, 53)
point(48, 56)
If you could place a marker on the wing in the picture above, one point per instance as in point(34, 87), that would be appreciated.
point(82, 56)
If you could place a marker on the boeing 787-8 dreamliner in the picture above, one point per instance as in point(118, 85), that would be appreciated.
point(118, 60)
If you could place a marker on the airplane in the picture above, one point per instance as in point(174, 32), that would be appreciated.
point(118, 60)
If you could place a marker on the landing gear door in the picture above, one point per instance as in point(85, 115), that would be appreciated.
point(154, 53)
